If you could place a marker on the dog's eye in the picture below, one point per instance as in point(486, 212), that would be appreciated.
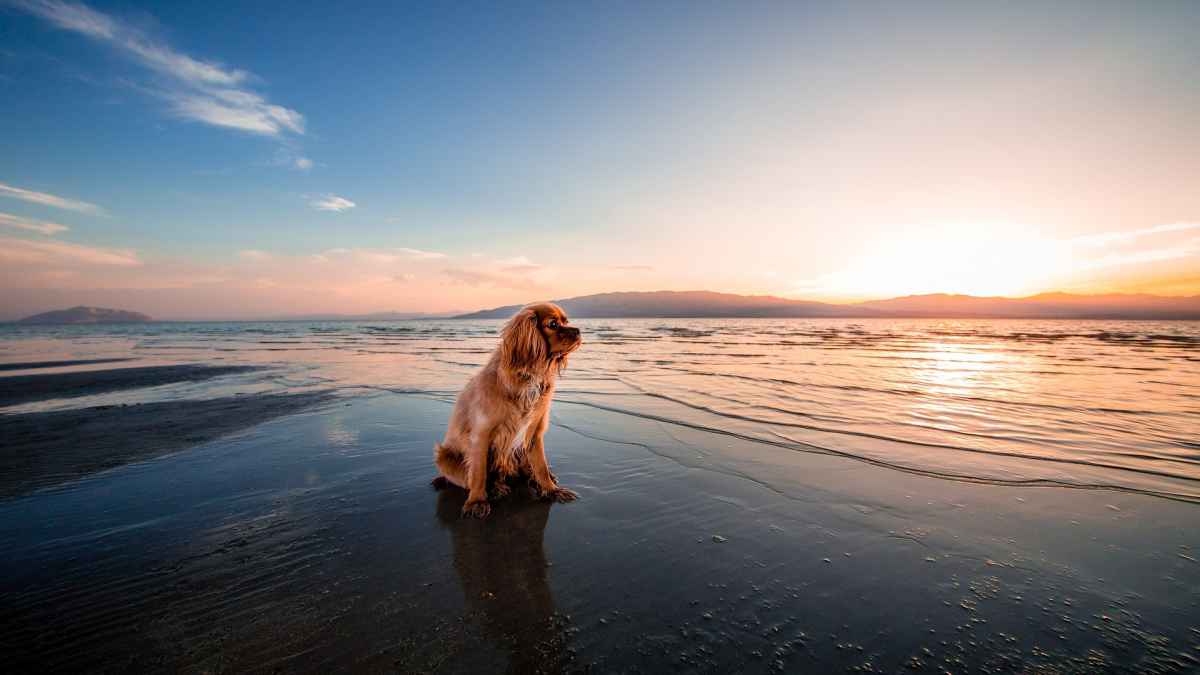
point(554, 324)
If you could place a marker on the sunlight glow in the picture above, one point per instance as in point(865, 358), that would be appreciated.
point(971, 260)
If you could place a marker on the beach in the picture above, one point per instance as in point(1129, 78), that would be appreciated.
point(290, 527)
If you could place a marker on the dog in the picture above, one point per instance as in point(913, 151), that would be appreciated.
point(501, 415)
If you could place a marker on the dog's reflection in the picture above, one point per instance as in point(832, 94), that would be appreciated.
point(502, 566)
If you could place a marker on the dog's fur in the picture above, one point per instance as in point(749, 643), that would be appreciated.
point(501, 415)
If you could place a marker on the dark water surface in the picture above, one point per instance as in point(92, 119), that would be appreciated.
point(758, 496)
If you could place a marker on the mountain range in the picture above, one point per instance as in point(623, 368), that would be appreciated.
point(707, 304)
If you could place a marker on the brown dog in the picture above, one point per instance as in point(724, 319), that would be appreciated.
point(501, 415)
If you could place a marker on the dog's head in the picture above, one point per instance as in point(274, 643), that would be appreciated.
point(538, 337)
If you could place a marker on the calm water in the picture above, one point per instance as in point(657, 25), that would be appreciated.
point(1090, 404)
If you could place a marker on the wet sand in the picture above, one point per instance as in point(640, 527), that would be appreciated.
point(48, 448)
point(18, 389)
point(311, 543)
point(37, 365)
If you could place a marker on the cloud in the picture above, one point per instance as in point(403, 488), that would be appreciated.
point(405, 278)
point(633, 268)
point(44, 252)
point(1110, 238)
point(1130, 247)
point(243, 110)
point(51, 200)
point(201, 91)
point(524, 268)
point(27, 224)
point(495, 279)
point(419, 255)
point(384, 254)
point(332, 203)
point(514, 273)
point(289, 155)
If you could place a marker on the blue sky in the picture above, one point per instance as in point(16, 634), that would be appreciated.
point(250, 159)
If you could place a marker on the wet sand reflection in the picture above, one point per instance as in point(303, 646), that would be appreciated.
point(501, 565)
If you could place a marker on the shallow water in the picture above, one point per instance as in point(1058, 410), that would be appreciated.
point(1093, 404)
point(756, 496)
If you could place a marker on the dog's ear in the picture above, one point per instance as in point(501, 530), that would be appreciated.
point(521, 342)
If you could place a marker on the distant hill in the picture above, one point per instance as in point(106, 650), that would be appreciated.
point(686, 304)
point(707, 304)
point(87, 315)
point(376, 316)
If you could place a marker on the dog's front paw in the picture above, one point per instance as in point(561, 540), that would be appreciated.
point(477, 509)
point(500, 489)
point(438, 483)
point(560, 495)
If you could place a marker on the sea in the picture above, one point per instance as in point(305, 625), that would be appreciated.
point(1088, 405)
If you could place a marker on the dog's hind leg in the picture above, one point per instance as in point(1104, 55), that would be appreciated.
point(476, 465)
point(450, 463)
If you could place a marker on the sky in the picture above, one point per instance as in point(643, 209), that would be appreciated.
point(229, 160)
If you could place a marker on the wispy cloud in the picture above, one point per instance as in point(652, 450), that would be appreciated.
point(633, 268)
point(49, 251)
point(203, 91)
point(51, 200)
point(237, 109)
point(519, 273)
point(332, 203)
point(384, 254)
point(27, 224)
point(288, 154)
point(1130, 247)
point(522, 268)
point(1110, 238)
point(419, 255)
point(488, 279)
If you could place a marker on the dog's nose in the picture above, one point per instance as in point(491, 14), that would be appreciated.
point(574, 332)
